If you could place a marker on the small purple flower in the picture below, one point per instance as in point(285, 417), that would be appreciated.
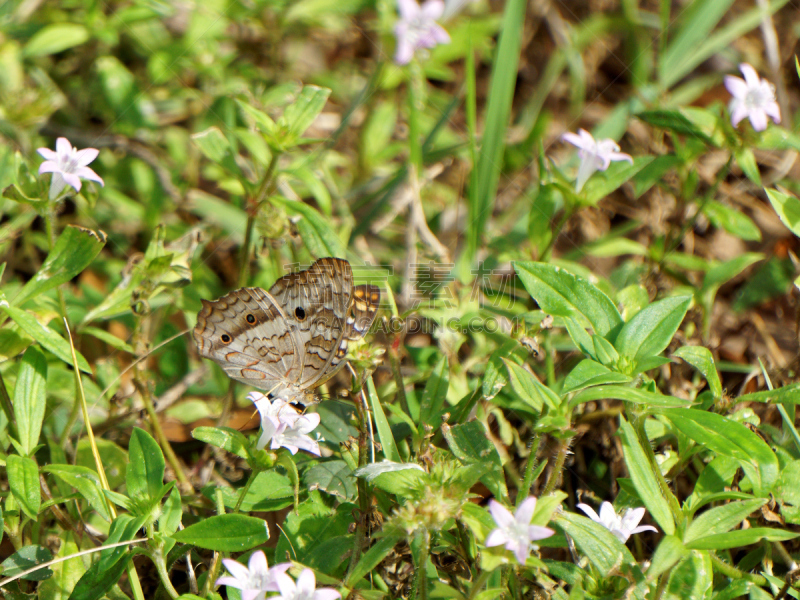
point(417, 28)
point(68, 166)
point(753, 98)
point(595, 155)
point(304, 589)
point(254, 580)
point(515, 531)
point(283, 426)
point(622, 525)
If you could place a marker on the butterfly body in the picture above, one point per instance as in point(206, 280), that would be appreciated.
point(289, 340)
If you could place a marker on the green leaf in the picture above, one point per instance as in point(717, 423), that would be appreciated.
point(145, 474)
point(48, 338)
point(66, 574)
point(86, 482)
point(315, 230)
point(692, 577)
point(262, 120)
point(371, 559)
point(676, 121)
point(435, 393)
point(30, 400)
point(213, 144)
point(602, 184)
point(730, 438)
point(652, 173)
point(223, 437)
point(26, 558)
point(216, 211)
point(225, 533)
point(787, 394)
point(333, 477)
point(298, 116)
point(596, 543)
point(670, 550)
point(55, 38)
point(721, 519)
point(498, 111)
point(731, 220)
point(269, 490)
point(588, 373)
point(73, 251)
point(628, 394)
point(747, 163)
point(23, 480)
point(702, 360)
point(469, 444)
point(741, 537)
point(108, 338)
point(652, 328)
point(382, 423)
point(725, 271)
point(788, 209)
point(563, 294)
point(644, 480)
point(529, 389)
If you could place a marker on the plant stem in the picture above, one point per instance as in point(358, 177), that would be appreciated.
point(730, 571)
point(479, 583)
point(552, 481)
point(364, 501)
point(245, 489)
point(255, 203)
point(415, 88)
point(530, 468)
point(421, 572)
point(161, 565)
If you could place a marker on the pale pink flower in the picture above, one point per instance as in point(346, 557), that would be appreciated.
point(417, 28)
point(68, 166)
point(254, 580)
point(595, 155)
point(304, 589)
point(753, 98)
point(283, 426)
point(622, 525)
point(515, 531)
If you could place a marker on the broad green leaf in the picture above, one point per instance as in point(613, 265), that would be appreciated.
point(730, 438)
point(731, 220)
point(74, 250)
point(315, 229)
point(172, 514)
point(145, 474)
point(333, 477)
point(529, 389)
point(652, 328)
point(223, 437)
point(65, 574)
point(691, 578)
point(588, 373)
point(702, 360)
point(371, 559)
point(299, 115)
point(725, 271)
point(55, 38)
point(563, 294)
point(741, 537)
point(469, 444)
point(108, 338)
point(498, 111)
point(48, 338)
point(270, 490)
point(435, 393)
point(676, 121)
point(721, 519)
point(262, 120)
point(86, 482)
point(494, 377)
point(644, 480)
point(669, 551)
point(788, 209)
point(381, 423)
point(596, 543)
point(26, 558)
point(602, 184)
point(30, 399)
point(225, 533)
point(747, 163)
point(213, 144)
point(787, 394)
point(628, 394)
point(23, 480)
point(401, 479)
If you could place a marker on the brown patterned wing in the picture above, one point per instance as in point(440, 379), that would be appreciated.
point(250, 336)
point(317, 301)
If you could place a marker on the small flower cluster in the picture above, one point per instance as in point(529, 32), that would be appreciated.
point(517, 535)
point(256, 580)
point(68, 166)
point(283, 426)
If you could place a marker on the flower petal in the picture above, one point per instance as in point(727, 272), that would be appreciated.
point(75, 181)
point(739, 111)
point(501, 515)
point(521, 552)
point(608, 516)
point(408, 9)
point(47, 153)
point(432, 10)
point(524, 512)
point(632, 517)
point(306, 583)
point(573, 139)
point(589, 512)
point(736, 86)
point(237, 569)
point(63, 147)
point(326, 594)
point(404, 52)
point(87, 173)
point(773, 110)
point(258, 564)
point(85, 156)
point(49, 166)
point(57, 184)
point(758, 119)
point(286, 585)
point(750, 75)
point(497, 537)
point(642, 528)
point(537, 532)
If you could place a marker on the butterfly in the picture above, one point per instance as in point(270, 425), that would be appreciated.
point(291, 339)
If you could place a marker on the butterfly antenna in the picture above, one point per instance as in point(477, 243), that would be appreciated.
point(366, 413)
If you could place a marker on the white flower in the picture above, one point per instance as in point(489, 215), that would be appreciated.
point(417, 28)
point(515, 531)
point(68, 166)
point(753, 98)
point(453, 7)
point(595, 155)
point(623, 525)
point(284, 426)
point(304, 589)
point(256, 579)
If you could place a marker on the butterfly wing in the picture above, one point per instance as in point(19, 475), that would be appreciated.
point(250, 336)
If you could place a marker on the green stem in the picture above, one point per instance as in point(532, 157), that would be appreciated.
point(364, 500)
point(421, 572)
point(245, 489)
point(480, 582)
point(254, 207)
point(565, 215)
point(161, 565)
point(730, 571)
point(530, 468)
point(563, 446)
